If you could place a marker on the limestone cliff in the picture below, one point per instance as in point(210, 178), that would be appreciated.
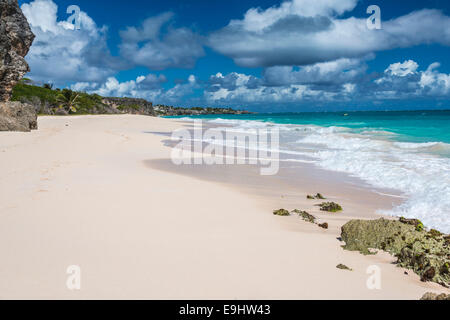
point(15, 41)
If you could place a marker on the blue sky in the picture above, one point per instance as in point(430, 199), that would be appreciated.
point(298, 55)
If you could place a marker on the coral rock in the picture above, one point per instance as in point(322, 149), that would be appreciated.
point(343, 267)
point(15, 41)
point(281, 212)
point(330, 207)
point(16, 116)
point(416, 250)
point(305, 215)
point(434, 296)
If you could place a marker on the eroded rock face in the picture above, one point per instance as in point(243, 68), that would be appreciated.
point(15, 41)
point(305, 215)
point(281, 212)
point(130, 105)
point(427, 253)
point(17, 116)
point(434, 296)
point(330, 207)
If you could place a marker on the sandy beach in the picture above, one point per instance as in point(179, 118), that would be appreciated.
point(100, 192)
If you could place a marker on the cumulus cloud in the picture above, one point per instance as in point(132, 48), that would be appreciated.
point(325, 73)
point(232, 81)
point(308, 51)
point(143, 87)
point(337, 81)
point(298, 34)
point(404, 80)
point(342, 80)
point(257, 20)
point(147, 87)
point(61, 54)
point(236, 88)
point(149, 46)
point(402, 69)
point(434, 83)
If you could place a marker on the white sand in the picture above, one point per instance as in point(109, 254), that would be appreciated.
point(83, 195)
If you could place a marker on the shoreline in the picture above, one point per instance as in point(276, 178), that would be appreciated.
point(371, 158)
point(94, 191)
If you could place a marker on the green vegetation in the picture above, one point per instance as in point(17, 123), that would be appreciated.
point(343, 267)
point(420, 227)
point(47, 100)
point(69, 100)
point(282, 213)
point(305, 216)
point(413, 222)
point(25, 91)
point(51, 101)
point(128, 107)
point(330, 207)
point(426, 253)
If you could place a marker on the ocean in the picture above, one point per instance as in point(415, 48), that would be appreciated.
point(405, 151)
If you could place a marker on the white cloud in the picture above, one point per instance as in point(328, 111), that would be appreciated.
point(309, 54)
point(298, 34)
point(235, 89)
point(256, 19)
point(402, 69)
point(434, 83)
point(326, 73)
point(147, 87)
point(142, 87)
point(343, 80)
point(60, 54)
point(149, 46)
point(404, 80)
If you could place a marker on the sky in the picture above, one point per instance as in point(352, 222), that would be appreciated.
point(266, 56)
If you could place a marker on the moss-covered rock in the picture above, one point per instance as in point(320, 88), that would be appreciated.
point(426, 255)
point(434, 233)
point(434, 296)
point(414, 222)
point(343, 267)
point(281, 212)
point(305, 215)
point(317, 196)
point(330, 207)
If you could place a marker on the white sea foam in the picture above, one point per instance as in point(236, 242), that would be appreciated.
point(417, 170)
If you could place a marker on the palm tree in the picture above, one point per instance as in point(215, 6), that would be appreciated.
point(69, 100)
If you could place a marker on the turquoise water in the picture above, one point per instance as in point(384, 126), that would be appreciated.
point(404, 151)
point(408, 126)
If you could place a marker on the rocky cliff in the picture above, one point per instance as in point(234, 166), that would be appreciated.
point(15, 41)
point(130, 105)
point(16, 116)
